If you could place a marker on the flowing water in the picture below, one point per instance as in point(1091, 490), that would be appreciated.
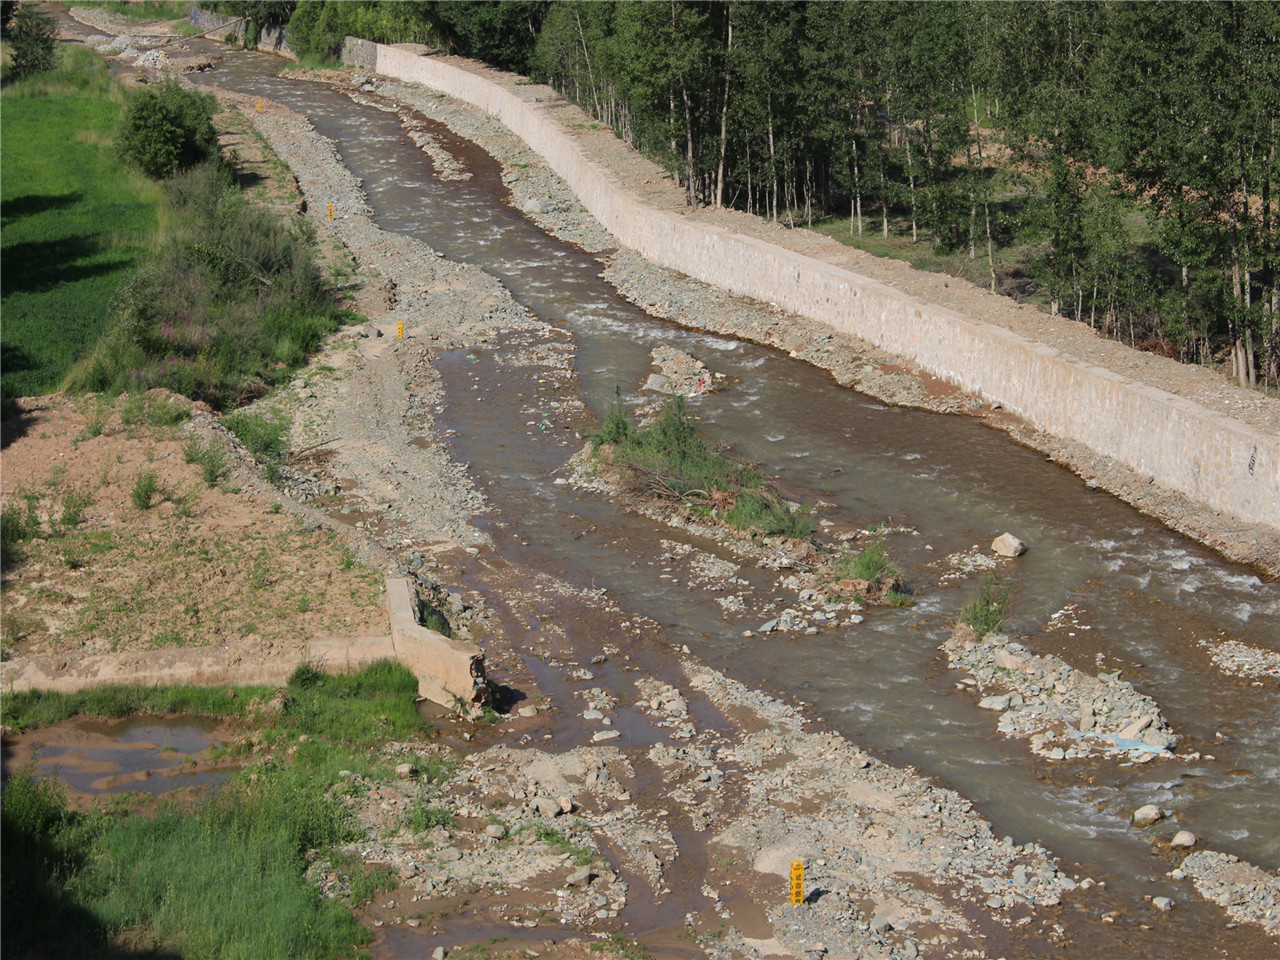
point(1144, 598)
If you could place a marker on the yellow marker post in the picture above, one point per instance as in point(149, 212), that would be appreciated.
point(797, 882)
point(399, 329)
point(259, 106)
point(331, 211)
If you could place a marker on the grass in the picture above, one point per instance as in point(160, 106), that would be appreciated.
point(221, 879)
point(582, 856)
point(423, 817)
point(211, 457)
point(987, 610)
point(76, 224)
point(29, 710)
point(872, 563)
point(669, 460)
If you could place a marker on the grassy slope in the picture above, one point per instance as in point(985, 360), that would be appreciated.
point(75, 223)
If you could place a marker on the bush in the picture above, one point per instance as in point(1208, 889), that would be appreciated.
point(33, 42)
point(987, 610)
point(168, 128)
point(211, 457)
point(144, 490)
point(264, 437)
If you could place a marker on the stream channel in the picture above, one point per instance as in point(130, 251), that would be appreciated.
point(1144, 598)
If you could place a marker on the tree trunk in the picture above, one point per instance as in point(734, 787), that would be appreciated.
point(911, 178)
point(724, 112)
point(690, 193)
point(595, 99)
point(773, 162)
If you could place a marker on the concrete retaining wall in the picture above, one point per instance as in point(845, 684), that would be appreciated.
point(217, 26)
point(450, 671)
point(1222, 463)
point(446, 668)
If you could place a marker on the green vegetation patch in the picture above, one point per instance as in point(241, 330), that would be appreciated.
point(987, 610)
point(222, 879)
point(670, 461)
point(75, 224)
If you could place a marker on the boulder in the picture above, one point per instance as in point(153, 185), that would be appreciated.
point(547, 807)
point(1134, 729)
point(1163, 904)
point(405, 770)
point(1183, 838)
point(1007, 545)
point(1147, 815)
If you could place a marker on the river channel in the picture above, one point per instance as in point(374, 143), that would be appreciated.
point(1137, 597)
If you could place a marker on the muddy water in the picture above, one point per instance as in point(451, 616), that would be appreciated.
point(1144, 597)
point(148, 755)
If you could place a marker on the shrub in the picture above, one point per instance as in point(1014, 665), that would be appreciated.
point(987, 610)
point(617, 427)
point(210, 455)
point(73, 507)
point(262, 436)
point(145, 487)
point(33, 42)
point(168, 128)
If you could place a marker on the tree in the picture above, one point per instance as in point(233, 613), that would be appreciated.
point(1192, 114)
point(33, 42)
point(168, 128)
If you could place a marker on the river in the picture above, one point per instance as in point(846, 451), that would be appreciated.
point(1136, 596)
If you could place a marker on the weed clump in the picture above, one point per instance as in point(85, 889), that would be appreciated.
point(987, 610)
point(210, 456)
point(871, 564)
point(670, 461)
point(145, 488)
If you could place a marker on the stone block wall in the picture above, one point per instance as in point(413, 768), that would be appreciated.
point(1227, 465)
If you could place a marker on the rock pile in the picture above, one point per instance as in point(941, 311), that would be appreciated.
point(1247, 892)
point(1064, 712)
point(681, 375)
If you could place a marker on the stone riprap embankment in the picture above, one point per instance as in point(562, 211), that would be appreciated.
point(1224, 463)
point(1064, 713)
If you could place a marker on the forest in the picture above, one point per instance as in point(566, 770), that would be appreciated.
point(1114, 161)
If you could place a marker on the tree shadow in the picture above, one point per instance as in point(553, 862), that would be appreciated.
point(14, 421)
point(34, 203)
point(39, 265)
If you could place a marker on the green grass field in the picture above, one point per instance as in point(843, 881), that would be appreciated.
point(218, 879)
point(75, 222)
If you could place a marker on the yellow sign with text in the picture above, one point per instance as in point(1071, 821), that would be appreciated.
point(797, 881)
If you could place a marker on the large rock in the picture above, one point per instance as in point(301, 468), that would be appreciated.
point(1183, 838)
point(1007, 545)
point(1147, 815)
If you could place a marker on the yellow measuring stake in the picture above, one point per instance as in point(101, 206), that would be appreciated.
point(259, 106)
point(399, 329)
point(331, 211)
point(797, 882)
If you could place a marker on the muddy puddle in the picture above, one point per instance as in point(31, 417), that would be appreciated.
point(95, 758)
point(1104, 586)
